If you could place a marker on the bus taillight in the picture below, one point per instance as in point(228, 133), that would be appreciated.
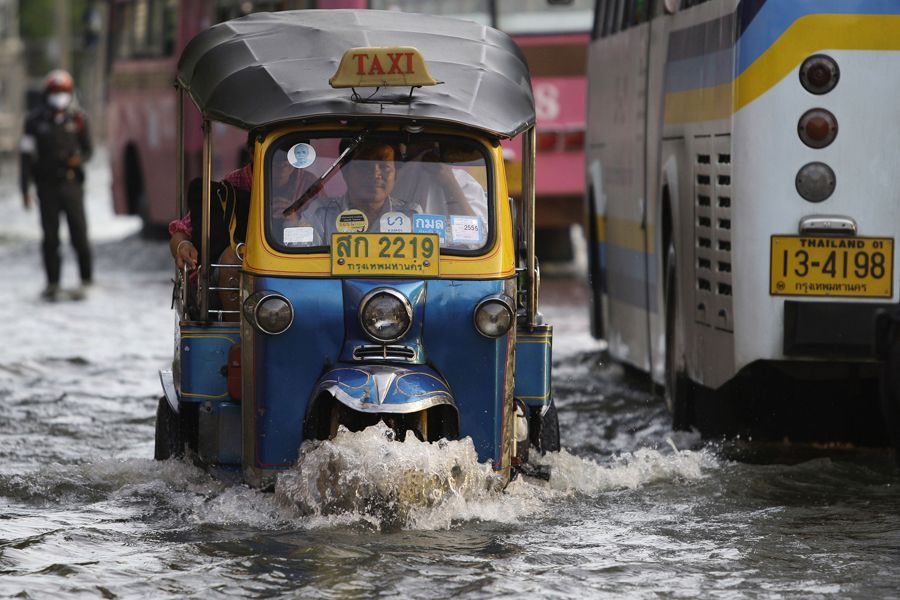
point(817, 128)
point(573, 140)
point(546, 141)
point(819, 74)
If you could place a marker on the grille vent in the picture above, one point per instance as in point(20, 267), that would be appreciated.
point(712, 231)
point(387, 352)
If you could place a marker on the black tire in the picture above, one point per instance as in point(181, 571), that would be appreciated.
point(168, 432)
point(544, 430)
point(888, 343)
point(598, 327)
point(678, 388)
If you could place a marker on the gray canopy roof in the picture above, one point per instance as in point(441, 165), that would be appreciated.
point(270, 68)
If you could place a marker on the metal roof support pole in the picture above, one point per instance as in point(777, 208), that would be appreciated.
point(179, 180)
point(528, 170)
point(179, 150)
point(204, 251)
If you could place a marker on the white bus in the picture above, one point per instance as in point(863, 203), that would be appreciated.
point(744, 202)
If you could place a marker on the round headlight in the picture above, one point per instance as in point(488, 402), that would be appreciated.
point(815, 181)
point(819, 74)
point(385, 315)
point(494, 316)
point(817, 128)
point(268, 312)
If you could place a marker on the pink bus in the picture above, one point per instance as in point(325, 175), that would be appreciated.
point(148, 35)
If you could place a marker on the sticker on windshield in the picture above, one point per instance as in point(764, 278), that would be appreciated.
point(301, 155)
point(395, 222)
point(431, 224)
point(466, 230)
point(298, 236)
point(352, 221)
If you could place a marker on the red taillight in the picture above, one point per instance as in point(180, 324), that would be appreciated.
point(573, 140)
point(233, 371)
point(817, 128)
point(819, 74)
point(546, 141)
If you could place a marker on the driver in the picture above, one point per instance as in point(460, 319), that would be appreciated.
point(367, 204)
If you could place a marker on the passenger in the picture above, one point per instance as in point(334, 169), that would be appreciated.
point(368, 204)
point(440, 188)
point(181, 243)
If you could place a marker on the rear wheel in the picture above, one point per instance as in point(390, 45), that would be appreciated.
point(168, 432)
point(888, 344)
point(678, 387)
point(544, 430)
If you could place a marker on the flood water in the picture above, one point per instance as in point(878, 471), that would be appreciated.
point(632, 510)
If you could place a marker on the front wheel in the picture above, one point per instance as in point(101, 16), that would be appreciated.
point(168, 432)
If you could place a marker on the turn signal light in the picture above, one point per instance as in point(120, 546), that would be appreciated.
point(494, 315)
point(819, 74)
point(817, 128)
point(815, 181)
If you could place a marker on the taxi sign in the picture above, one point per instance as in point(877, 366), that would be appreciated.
point(385, 254)
point(401, 66)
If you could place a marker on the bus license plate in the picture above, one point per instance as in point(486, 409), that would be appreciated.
point(385, 254)
point(831, 266)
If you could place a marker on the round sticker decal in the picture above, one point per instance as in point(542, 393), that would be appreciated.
point(352, 221)
point(301, 155)
point(395, 222)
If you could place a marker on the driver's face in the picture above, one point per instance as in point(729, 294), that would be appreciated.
point(370, 176)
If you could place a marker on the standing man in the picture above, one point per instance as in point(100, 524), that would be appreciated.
point(54, 148)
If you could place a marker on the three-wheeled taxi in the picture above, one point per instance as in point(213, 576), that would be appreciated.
point(383, 274)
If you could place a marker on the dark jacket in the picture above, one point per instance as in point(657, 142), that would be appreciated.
point(50, 141)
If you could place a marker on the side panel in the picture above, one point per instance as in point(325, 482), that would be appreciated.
point(203, 352)
point(616, 173)
point(695, 166)
point(476, 367)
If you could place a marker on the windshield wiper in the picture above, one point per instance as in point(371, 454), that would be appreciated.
point(319, 183)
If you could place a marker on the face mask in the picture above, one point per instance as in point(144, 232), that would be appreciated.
point(59, 100)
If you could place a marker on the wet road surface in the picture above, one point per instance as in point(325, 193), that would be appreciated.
point(631, 510)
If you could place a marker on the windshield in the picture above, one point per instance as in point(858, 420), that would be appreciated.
point(411, 184)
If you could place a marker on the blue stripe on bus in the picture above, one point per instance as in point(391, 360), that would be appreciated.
point(774, 17)
point(700, 56)
point(626, 282)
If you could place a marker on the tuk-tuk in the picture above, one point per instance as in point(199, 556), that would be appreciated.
point(381, 272)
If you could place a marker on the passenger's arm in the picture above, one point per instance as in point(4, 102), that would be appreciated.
point(183, 250)
point(457, 204)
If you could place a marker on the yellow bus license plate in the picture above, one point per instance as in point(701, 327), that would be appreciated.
point(385, 254)
point(831, 266)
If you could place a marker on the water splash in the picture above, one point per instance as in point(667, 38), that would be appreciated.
point(419, 485)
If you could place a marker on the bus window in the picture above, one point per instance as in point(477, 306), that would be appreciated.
point(536, 16)
point(472, 10)
point(145, 29)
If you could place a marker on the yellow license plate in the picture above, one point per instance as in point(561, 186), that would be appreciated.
point(385, 254)
point(831, 266)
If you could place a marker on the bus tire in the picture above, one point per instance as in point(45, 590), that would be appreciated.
point(888, 348)
point(598, 327)
point(678, 387)
point(168, 432)
point(544, 430)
